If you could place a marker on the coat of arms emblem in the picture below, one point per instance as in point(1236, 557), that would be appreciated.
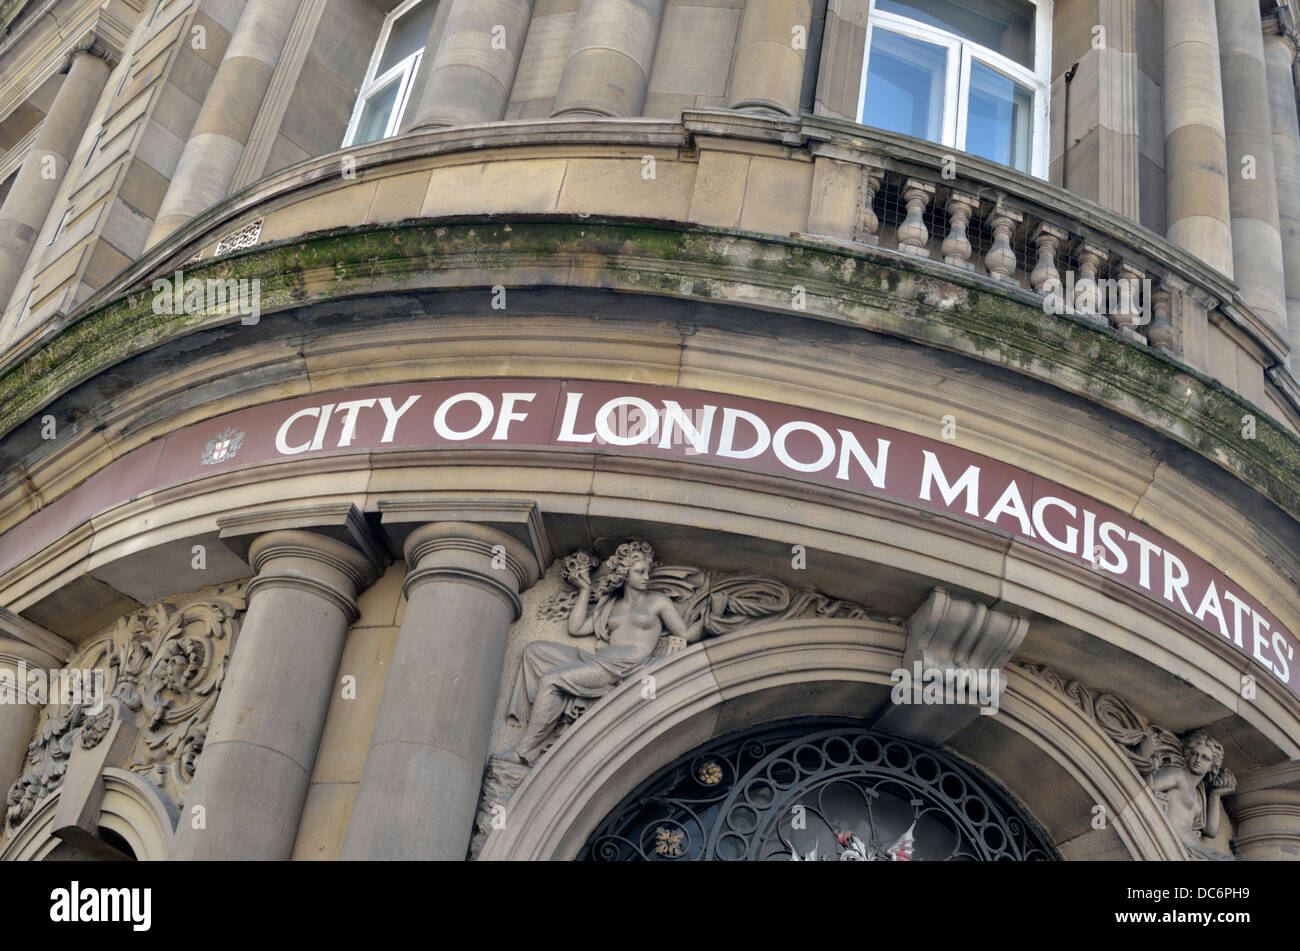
point(222, 446)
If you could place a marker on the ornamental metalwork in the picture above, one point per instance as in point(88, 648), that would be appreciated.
point(818, 790)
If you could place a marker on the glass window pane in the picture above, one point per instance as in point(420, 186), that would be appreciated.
point(409, 34)
point(998, 118)
point(376, 113)
point(1004, 26)
point(905, 82)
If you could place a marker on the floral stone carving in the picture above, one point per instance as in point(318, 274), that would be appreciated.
point(163, 667)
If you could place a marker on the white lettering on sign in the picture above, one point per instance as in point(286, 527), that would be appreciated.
point(738, 433)
point(969, 482)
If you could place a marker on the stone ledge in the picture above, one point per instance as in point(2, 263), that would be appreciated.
point(872, 289)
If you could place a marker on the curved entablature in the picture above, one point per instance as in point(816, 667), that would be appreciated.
point(818, 178)
point(874, 290)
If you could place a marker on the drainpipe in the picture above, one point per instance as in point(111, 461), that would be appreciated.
point(1065, 130)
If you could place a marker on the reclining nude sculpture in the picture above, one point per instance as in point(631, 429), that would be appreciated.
point(627, 616)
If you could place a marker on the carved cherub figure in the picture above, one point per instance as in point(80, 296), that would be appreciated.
point(627, 616)
point(1193, 792)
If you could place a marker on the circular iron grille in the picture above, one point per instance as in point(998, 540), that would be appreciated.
point(817, 790)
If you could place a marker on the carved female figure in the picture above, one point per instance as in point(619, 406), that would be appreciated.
point(1193, 792)
point(628, 616)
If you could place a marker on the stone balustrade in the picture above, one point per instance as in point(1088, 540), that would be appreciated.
point(954, 209)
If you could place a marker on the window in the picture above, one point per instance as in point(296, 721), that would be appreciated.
point(861, 795)
point(387, 89)
point(973, 75)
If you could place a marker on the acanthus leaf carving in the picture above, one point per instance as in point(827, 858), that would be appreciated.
point(163, 667)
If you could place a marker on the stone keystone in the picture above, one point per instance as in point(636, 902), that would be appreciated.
point(952, 641)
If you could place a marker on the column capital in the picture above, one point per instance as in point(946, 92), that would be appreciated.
point(472, 553)
point(341, 521)
point(92, 45)
point(519, 518)
point(1267, 823)
point(309, 561)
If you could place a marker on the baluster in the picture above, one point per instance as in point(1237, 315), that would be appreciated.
point(868, 223)
point(956, 247)
point(1161, 331)
point(913, 235)
point(1000, 261)
point(1085, 288)
point(1048, 240)
point(1134, 309)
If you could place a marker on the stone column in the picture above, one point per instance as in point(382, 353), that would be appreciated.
point(1279, 54)
point(216, 144)
point(18, 719)
point(1196, 164)
point(29, 200)
point(420, 786)
point(767, 74)
point(253, 773)
point(1268, 824)
point(477, 53)
point(1252, 187)
point(608, 66)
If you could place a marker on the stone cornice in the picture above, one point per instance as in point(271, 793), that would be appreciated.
point(43, 45)
point(36, 638)
point(870, 288)
point(844, 140)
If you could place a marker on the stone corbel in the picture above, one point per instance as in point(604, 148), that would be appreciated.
point(948, 640)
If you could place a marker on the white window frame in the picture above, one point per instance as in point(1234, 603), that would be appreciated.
point(961, 53)
point(403, 72)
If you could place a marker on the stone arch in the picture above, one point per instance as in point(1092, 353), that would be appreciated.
point(131, 807)
point(813, 667)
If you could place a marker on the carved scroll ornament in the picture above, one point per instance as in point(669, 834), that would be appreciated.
point(163, 667)
point(1186, 775)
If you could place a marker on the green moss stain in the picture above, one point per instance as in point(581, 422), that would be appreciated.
point(916, 300)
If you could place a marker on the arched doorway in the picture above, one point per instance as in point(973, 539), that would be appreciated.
point(772, 672)
point(817, 789)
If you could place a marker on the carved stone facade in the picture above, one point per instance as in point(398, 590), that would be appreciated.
point(1189, 793)
point(163, 667)
point(713, 603)
point(597, 348)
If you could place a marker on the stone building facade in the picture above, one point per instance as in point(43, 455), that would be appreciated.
point(664, 429)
